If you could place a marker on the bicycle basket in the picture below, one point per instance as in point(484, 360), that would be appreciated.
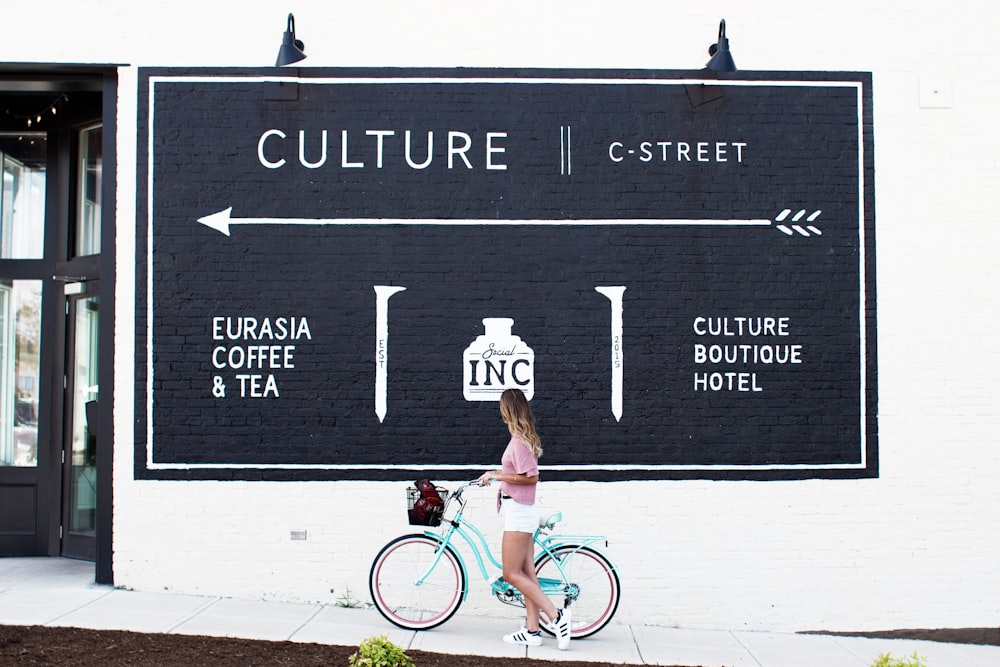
point(425, 505)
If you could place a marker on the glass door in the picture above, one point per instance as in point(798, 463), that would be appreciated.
point(24, 384)
point(80, 439)
point(80, 433)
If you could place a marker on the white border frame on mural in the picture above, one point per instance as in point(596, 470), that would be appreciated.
point(151, 464)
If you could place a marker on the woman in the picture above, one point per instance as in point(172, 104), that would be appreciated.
point(518, 481)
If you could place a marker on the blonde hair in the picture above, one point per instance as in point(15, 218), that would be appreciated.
point(516, 413)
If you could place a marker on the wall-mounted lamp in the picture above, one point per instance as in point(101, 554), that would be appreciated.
point(292, 50)
point(722, 59)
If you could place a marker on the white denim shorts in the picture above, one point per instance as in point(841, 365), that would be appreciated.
point(519, 518)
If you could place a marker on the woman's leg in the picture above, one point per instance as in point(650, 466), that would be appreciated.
point(517, 554)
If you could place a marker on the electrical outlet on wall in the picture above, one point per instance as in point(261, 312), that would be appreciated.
point(299, 535)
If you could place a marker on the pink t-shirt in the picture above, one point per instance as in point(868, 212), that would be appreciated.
point(517, 460)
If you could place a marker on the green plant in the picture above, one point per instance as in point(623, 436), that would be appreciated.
point(345, 600)
point(379, 652)
point(886, 660)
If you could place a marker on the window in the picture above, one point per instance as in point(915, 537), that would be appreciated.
point(88, 225)
point(83, 490)
point(20, 343)
point(22, 195)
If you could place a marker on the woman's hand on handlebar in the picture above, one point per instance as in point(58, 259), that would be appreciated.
point(489, 476)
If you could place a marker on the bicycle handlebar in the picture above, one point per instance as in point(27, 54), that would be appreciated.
point(466, 485)
point(457, 493)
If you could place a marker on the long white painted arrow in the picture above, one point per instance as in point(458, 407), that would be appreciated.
point(614, 294)
point(224, 220)
point(382, 294)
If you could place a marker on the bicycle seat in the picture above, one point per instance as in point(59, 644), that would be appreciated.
point(551, 521)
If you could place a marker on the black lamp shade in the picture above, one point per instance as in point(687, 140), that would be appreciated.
point(291, 50)
point(722, 59)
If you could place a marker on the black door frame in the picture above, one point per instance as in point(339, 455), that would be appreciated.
point(55, 77)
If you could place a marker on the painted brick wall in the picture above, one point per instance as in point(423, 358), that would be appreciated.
point(915, 547)
point(679, 235)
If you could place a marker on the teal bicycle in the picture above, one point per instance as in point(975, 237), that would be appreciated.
point(419, 581)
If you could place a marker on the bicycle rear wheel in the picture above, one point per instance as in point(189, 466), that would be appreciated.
point(596, 579)
point(410, 589)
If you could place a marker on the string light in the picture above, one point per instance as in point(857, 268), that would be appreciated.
point(31, 139)
point(36, 118)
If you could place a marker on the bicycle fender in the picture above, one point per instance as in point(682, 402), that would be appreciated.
point(577, 542)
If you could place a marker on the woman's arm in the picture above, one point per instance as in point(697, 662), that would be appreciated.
point(500, 476)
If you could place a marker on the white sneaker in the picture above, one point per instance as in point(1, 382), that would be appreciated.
point(560, 627)
point(524, 637)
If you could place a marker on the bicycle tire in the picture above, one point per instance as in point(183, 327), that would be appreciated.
point(600, 589)
point(394, 589)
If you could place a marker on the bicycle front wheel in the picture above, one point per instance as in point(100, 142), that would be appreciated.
point(416, 582)
point(594, 576)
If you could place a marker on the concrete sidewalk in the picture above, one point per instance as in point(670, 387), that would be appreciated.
point(61, 592)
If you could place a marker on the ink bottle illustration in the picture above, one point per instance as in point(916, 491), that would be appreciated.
point(496, 361)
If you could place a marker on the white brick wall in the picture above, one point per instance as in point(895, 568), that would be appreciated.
point(917, 547)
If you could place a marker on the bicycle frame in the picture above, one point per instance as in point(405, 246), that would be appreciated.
point(545, 544)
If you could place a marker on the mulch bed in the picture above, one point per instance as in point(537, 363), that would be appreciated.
point(983, 636)
point(76, 647)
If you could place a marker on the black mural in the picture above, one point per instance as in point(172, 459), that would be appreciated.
point(340, 271)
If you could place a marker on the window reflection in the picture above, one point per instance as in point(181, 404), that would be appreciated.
point(20, 331)
point(22, 195)
point(83, 500)
point(88, 225)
